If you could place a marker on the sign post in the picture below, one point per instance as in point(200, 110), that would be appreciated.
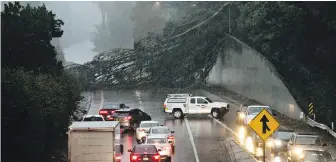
point(264, 125)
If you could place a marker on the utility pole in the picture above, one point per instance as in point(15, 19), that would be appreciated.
point(229, 19)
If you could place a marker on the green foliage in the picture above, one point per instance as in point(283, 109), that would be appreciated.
point(26, 33)
point(36, 110)
point(38, 98)
point(297, 39)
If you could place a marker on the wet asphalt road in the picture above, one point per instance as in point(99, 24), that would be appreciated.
point(209, 136)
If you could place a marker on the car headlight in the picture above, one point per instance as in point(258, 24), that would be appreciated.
point(249, 144)
point(241, 133)
point(242, 115)
point(259, 152)
point(269, 144)
point(298, 151)
point(277, 159)
point(278, 142)
point(248, 120)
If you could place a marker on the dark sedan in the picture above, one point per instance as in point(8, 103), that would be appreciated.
point(145, 153)
point(130, 118)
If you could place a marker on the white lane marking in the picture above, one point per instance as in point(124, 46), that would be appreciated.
point(235, 134)
point(101, 99)
point(191, 139)
point(225, 126)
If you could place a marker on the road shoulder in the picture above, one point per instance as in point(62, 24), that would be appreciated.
point(218, 93)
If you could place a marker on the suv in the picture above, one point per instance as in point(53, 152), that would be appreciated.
point(300, 141)
point(246, 113)
point(181, 104)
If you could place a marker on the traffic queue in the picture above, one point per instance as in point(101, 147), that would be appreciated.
point(283, 145)
point(155, 142)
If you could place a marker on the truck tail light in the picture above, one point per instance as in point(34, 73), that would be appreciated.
point(118, 157)
point(103, 112)
point(156, 157)
point(134, 157)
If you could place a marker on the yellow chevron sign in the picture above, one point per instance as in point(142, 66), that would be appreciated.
point(311, 109)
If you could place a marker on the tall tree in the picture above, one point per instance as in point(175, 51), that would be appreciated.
point(33, 97)
point(26, 31)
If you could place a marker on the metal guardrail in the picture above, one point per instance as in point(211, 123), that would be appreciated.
point(313, 123)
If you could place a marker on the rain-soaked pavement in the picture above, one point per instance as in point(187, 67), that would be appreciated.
point(209, 136)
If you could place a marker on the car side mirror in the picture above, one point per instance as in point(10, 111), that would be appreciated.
point(172, 132)
point(84, 111)
point(127, 106)
point(324, 144)
point(129, 150)
point(159, 150)
point(121, 149)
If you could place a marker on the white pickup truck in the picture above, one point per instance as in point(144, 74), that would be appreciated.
point(181, 104)
point(94, 141)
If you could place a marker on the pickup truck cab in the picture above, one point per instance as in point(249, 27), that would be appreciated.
point(181, 104)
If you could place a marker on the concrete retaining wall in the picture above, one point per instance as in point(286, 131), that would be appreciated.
point(247, 73)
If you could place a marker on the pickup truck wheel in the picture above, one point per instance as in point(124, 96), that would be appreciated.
point(177, 114)
point(215, 113)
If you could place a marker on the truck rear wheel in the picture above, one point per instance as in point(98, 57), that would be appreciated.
point(177, 113)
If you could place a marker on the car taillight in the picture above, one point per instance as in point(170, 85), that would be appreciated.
point(127, 118)
point(134, 157)
point(103, 112)
point(118, 157)
point(164, 105)
point(156, 157)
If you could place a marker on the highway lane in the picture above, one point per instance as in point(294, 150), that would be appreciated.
point(207, 135)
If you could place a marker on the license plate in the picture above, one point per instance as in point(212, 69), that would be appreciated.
point(145, 159)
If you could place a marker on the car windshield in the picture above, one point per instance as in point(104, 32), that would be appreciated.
point(160, 131)
point(93, 119)
point(284, 135)
point(318, 156)
point(210, 101)
point(256, 110)
point(112, 106)
point(307, 141)
point(156, 140)
point(140, 149)
point(146, 125)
